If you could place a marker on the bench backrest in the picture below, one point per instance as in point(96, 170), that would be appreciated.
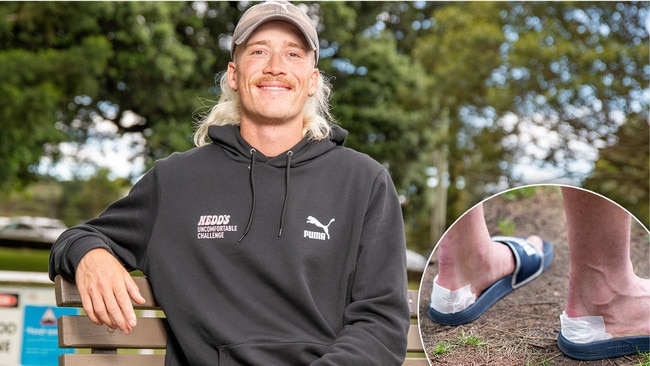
point(150, 336)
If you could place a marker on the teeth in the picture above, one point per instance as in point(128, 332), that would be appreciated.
point(274, 88)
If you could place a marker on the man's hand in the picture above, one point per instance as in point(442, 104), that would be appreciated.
point(106, 290)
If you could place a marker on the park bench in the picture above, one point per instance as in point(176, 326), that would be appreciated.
point(103, 342)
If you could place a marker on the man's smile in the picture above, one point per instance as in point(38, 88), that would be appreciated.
point(274, 84)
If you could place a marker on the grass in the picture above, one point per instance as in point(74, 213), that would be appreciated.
point(463, 339)
point(442, 348)
point(645, 359)
point(470, 340)
point(506, 227)
point(543, 362)
point(519, 193)
point(525, 192)
point(30, 260)
point(22, 259)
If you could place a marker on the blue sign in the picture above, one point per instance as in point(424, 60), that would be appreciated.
point(40, 335)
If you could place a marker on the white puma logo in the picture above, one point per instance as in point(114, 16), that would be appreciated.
point(326, 228)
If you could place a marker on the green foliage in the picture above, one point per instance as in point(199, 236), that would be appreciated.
point(67, 64)
point(36, 199)
point(543, 362)
point(519, 193)
point(506, 227)
point(463, 339)
point(470, 340)
point(622, 170)
point(459, 55)
point(85, 199)
point(71, 201)
point(537, 80)
point(645, 359)
point(35, 85)
point(380, 99)
point(572, 68)
point(441, 348)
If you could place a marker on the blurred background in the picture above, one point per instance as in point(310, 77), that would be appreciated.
point(460, 100)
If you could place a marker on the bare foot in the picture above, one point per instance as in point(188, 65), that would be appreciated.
point(601, 276)
point(622, 301)
point(480, 268)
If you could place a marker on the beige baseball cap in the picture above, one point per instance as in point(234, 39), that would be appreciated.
point(274, 10)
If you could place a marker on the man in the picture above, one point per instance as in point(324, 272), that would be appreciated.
point(268, 244)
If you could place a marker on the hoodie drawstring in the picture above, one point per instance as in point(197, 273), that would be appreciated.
point(286, 191)
point(252, 180)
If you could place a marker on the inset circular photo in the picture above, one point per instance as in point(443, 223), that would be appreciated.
point(539, 275)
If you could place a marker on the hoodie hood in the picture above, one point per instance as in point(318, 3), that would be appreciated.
point(231, 140)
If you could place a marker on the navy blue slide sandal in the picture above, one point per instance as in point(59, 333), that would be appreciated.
point(609, 348)
point(529, 264)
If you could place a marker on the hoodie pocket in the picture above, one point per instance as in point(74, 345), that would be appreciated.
point(271, 354)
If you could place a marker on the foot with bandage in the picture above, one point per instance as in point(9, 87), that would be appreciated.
point(608, 307)
point(607, 311)
point(459, 296)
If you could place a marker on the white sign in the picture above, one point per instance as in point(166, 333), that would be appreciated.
point(31, 305)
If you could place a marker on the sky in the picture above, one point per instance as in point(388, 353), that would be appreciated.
point(123, 156)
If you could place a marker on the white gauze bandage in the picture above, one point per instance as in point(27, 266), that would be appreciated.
point(583, 329)
point(450, 302)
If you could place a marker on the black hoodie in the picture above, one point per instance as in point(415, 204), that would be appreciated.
point(297, 259)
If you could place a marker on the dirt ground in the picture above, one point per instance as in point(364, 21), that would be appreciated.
point(522, 328)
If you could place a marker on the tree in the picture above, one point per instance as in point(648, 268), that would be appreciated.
point(71, 201)
point(622, 170)
point(142, 66)
point(35, 81)
point(501, 71)
point(381, 103)
point(459, 55)
point(579, 70)
point(82, 199)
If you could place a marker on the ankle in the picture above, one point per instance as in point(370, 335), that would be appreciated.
point(593, 290)
point(625, 309)
point(491, 260)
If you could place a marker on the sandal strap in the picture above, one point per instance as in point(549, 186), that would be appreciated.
point(529, 261)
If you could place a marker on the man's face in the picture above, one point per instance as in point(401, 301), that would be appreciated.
point(274, 74)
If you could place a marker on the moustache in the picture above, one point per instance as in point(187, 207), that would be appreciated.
point(267, 79)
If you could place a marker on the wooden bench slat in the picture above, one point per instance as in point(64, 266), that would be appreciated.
point(67, 294)
point(416, 362)
point(80, 332)
point(150, 333)
point(413, 303)
point(414, 343)
point(111, 360)
point(154, 360)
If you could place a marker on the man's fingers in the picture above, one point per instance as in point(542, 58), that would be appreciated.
point(90, 311)
point(95, 308)
point(119, 309)
point(106, 289)
point(133, 294)
point(127, 319)
point(134, 290)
